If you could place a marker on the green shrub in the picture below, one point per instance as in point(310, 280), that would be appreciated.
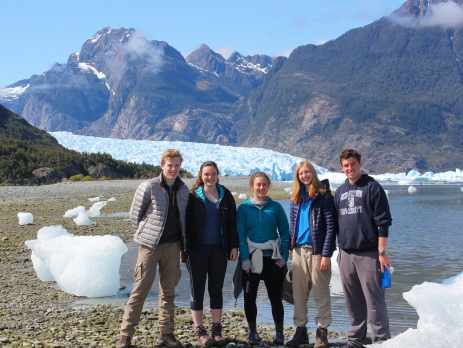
point(88, 178)
point(78, 177)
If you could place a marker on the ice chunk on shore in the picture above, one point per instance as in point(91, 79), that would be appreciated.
point(81, 265)
point(74, 212)
point(440, 311)
point(82, 219)
point(243, 196)
point(25, 218)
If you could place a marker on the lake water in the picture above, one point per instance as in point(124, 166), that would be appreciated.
point(425, 244)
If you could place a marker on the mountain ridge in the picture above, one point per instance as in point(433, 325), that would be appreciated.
point(390, 89)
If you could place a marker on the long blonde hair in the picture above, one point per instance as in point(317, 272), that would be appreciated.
point(315, 186)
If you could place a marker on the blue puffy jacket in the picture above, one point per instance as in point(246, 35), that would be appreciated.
point(323, 222)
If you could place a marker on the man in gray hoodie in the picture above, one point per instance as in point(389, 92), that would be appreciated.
point(158, 217)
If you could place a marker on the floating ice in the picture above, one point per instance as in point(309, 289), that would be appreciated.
point(411, 189)
point(440, 311)
point(83, 219)
point(25, 218)
point(81, 265)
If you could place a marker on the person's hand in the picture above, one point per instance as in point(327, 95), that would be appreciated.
point(233, 254)
point(325, 263)
point(384, 261)
point(182, 256)
point(249, 270)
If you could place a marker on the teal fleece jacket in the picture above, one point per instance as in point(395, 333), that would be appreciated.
point(262, 225)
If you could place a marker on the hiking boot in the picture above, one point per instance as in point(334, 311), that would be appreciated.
point(253, 338)
point(124, 342)
point(321, 338)
point(300, 337)
point(216, 334)
point(279, 339)
point(169, 341)
point(204, 339)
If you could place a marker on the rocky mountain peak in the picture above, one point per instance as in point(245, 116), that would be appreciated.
point(206, 59)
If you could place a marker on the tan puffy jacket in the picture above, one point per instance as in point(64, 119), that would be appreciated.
point(149, 211)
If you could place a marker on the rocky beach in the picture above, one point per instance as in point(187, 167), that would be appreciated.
point(38, 314)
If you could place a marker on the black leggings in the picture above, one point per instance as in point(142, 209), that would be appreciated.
point(272, 275)
point(206, 261)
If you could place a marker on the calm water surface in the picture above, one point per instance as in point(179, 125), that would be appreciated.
point(425, 242)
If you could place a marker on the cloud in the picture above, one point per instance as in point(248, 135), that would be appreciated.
point(226, 52)
point(444, 14)
point(137, 47)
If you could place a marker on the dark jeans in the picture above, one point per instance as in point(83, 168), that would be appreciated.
point(206, 261)
point(272, 275)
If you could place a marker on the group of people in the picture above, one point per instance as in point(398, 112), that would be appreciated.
point(202, 228)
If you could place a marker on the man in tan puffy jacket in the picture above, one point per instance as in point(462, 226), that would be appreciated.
point(158, 217)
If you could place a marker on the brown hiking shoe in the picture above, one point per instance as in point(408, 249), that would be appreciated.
point(216, 334)
point(169, 341)
point(203, 337)
point(124, 342)
point(300, 337)
point(321, 338)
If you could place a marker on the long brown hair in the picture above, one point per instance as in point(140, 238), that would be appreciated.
point(315, 186)
point(199, 179)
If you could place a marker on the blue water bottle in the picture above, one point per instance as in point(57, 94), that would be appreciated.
point(386, 278)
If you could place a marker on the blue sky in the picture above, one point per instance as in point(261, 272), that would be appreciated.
point(36, 34)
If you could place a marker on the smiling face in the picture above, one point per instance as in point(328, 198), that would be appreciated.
point(305, 176)
point(171, 169)
point(209, 176)
point(260, 186)
point(351, 167)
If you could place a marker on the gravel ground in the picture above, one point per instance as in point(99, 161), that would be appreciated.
point(38, 314)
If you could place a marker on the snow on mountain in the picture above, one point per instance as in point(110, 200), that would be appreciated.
point(87, 67)
point(10, 93)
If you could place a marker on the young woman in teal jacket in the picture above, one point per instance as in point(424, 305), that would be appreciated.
point(263, 233)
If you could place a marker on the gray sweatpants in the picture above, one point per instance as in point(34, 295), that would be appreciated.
point(364, 296)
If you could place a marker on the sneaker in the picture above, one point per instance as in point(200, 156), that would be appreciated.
point(169, 341)
point(321, 338)
point(203, 337)
point(124, 342)
point(279, 339)
point(300, 337)
point(216, 334)
point(253, 338)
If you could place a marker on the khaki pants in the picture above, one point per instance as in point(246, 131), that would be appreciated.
point(307, 276)
point(167, 256)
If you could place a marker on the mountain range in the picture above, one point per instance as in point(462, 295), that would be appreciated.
point(392, 90)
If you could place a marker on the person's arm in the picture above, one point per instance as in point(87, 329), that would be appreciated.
point(283, 230)
point(141, 199)
point(329, 214)
point(231, 223)
point(242, 237)
point(385, 260)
